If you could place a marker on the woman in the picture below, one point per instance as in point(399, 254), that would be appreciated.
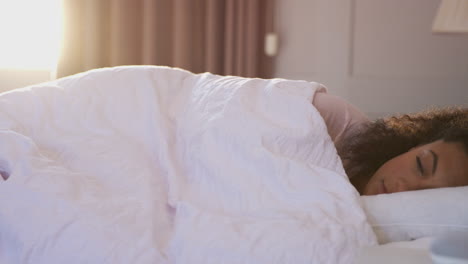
point(401, 153)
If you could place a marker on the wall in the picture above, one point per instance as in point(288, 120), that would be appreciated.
point(380, 55)
point(11, 79)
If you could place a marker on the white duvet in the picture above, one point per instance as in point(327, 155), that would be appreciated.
point(159, 165)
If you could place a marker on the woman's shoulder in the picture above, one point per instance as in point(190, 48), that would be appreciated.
point(339, 115)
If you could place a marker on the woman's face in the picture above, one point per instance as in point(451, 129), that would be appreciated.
point(434, 165)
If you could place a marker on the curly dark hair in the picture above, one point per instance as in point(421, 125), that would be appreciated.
point(366, 149)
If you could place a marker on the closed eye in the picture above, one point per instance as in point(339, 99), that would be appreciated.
point(420, 166)
point(435, 159)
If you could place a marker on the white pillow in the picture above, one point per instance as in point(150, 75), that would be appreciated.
point(412, 215)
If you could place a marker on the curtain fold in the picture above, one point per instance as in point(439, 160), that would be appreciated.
point(220, 36)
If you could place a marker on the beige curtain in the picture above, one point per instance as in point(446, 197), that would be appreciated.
point(220, 36)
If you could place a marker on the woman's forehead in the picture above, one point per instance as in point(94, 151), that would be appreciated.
point(450, 148)
point(452, 162)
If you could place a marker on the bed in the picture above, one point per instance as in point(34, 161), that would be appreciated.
point(147, 164)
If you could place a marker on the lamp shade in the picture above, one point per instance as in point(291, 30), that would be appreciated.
point(451, 17)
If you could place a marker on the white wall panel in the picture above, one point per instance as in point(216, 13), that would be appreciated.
point(381, 55)
point(394, 38)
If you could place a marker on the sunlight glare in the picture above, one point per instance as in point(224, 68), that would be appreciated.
point(30, 33)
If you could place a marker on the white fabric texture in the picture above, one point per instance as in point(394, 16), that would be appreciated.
point(406, 216)
point(143, 164)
